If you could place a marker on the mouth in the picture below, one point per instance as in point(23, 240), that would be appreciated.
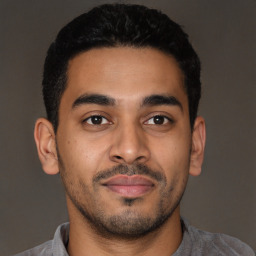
point(129, 186)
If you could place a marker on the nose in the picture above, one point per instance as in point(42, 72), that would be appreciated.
point(129, 146)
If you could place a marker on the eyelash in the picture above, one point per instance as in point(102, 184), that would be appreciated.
point(97, 116)
point(165, 120)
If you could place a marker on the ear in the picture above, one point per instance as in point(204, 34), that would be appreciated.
point(198, 144)
point(46, 147)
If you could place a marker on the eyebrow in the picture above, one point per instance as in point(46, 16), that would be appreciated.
point(104, 100)
point(98, 99)
point(158, 100)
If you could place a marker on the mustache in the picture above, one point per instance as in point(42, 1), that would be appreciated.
point(137, 169)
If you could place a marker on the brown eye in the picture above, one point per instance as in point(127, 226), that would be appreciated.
point(96, 120)
point(158, 120)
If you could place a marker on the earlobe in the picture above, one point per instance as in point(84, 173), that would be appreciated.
point(46, 147)
point(198, 144)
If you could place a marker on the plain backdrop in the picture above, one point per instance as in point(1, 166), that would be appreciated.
point(222, 199)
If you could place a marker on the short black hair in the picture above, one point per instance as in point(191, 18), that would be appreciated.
point(113, 25)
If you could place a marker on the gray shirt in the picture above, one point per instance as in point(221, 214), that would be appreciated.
point(195, 243)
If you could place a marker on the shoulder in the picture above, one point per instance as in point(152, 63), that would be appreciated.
point(57, 246)
point(44, 249)
point(222, 244)
point(206, 243)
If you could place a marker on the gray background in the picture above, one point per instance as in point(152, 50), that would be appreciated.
point(222, 199)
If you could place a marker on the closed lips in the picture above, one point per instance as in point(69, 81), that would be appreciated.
point(129, 186)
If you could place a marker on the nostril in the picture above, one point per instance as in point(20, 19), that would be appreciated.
point(118, 157)
point(139, 158)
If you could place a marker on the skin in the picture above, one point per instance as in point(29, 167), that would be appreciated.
point(127, 135)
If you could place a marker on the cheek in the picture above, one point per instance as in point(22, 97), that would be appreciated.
point(82, 154)
point(172, 154)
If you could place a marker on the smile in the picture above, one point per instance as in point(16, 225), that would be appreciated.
point(129, 186)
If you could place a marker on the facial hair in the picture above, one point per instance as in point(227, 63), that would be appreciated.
point(130, 224)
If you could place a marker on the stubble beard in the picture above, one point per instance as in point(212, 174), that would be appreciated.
point(130, 224)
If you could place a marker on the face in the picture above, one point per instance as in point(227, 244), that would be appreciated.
point(124, 139)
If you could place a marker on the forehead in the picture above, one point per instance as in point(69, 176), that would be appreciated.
point(124, 73)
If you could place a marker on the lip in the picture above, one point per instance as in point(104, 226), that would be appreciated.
point(129, 186)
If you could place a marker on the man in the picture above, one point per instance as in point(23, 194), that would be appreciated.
point(121, 88)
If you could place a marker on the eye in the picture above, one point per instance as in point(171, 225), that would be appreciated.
point(158, 120)
point(96, 120)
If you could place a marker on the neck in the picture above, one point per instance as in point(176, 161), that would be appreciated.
point(84, 241)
